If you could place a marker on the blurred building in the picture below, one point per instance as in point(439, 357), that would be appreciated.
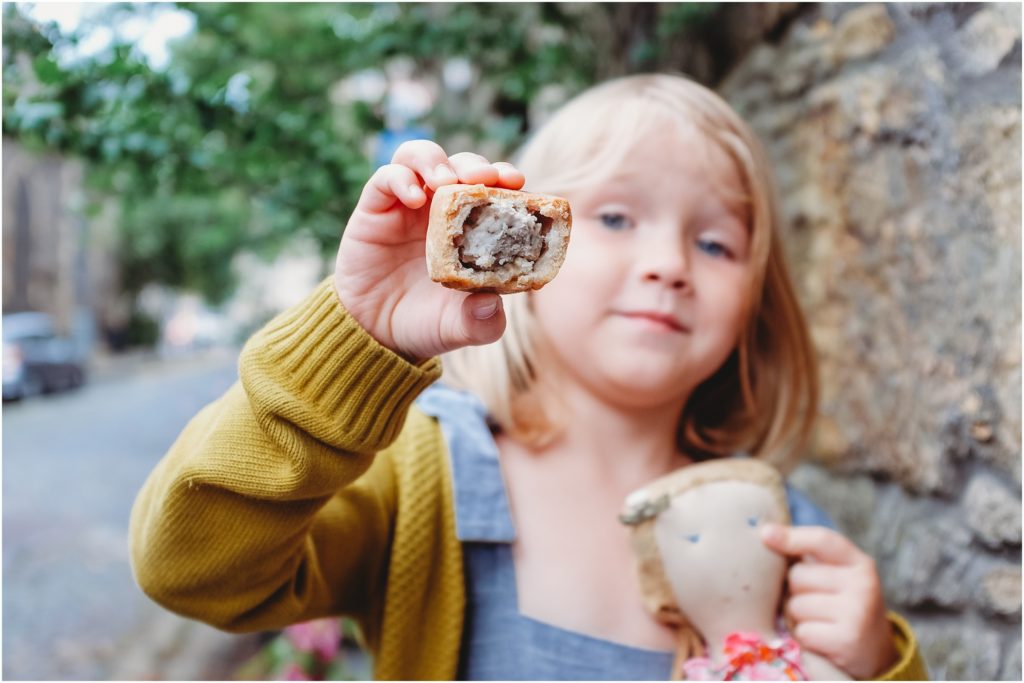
point(54, 260)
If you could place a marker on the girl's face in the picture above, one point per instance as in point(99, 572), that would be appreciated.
point(653, 293)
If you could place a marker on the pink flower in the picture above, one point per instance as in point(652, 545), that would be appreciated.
point(321, 637)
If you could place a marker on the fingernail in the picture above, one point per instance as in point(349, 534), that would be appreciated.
point(415, 191)
point(770, 533)
point(485, 310)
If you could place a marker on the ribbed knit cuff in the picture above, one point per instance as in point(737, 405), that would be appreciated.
point(316, 366)
point(909, 666)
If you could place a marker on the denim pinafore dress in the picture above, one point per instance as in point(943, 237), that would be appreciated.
point(498, 642)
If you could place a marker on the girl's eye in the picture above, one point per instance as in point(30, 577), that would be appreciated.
point(752, 521)
point(713, 248)
point(692, 538)
point(615, 221)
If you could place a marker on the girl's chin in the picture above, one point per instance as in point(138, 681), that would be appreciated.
point(643, 388)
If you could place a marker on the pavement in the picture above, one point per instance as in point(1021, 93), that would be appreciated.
point(72, 465)
point(105, 366)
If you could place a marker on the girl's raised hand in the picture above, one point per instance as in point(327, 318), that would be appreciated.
point(835, 599)
point(381, 274)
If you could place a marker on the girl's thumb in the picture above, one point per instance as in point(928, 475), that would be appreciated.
point(482, 320)
point(774, 536)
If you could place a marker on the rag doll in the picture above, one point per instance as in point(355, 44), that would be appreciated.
point(704, 570)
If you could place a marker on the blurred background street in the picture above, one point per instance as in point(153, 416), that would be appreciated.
point(73, 463)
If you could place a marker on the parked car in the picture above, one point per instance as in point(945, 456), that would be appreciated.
point(36, 360)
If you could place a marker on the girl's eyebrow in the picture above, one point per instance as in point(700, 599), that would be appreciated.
point(716, 207)
point(731, 220)
point(599, 197)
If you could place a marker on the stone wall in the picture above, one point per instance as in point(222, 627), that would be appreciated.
point(896, 134)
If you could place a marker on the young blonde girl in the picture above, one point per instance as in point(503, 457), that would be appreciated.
point(471, 527)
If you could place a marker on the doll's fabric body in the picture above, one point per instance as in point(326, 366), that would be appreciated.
point(747, 656)
point(703, 566)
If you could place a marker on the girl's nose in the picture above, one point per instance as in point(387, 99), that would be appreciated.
point(665, 264)
point(674, 281)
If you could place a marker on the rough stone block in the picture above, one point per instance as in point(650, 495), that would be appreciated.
point(966, 651)
point(777, 120)
point(1000, 590)
point(988, 37)
point(931, 565)
point(863, 32)
point(807, 55)
point(849, 500)
point(1011, 670)
point(759, 66)
point(855, 101)
point(993, 513)
point(906, 110)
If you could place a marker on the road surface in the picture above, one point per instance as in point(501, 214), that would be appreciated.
point(72, 464)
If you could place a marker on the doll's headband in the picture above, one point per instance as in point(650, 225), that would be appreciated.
point(641, 508)
point(650, 501)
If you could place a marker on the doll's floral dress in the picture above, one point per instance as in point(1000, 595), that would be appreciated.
point(748, 657)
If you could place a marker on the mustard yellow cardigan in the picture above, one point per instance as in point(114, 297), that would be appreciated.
point(312, 489)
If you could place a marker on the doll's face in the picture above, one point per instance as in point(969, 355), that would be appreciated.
point(710, 543)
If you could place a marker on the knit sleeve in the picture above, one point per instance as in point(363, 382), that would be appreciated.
point(271, 508)
point(909, 665)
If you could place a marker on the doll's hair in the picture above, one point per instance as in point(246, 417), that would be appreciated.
point(763, 399)
point(642, 509)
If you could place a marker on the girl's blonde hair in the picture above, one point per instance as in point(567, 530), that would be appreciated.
point(764, 397)
point(642, 509)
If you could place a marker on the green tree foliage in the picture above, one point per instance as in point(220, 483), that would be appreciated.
point(243, 141)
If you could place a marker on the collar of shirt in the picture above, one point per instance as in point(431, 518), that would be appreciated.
point(481, 500)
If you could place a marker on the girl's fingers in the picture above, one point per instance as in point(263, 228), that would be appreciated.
point(428, 160)
point(509, 176)
point(816, 542)
point(822, 607)
point(477, 319)
point(805, 577)
point(473, 168)
point(389, 183)
point(824, 638)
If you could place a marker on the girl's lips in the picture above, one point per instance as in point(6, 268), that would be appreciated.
point(656, 317)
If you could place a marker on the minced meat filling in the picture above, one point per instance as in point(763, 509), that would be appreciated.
point(499, 233)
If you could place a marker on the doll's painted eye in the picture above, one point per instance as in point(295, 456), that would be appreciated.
point(752, 521)
point(692, 538)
